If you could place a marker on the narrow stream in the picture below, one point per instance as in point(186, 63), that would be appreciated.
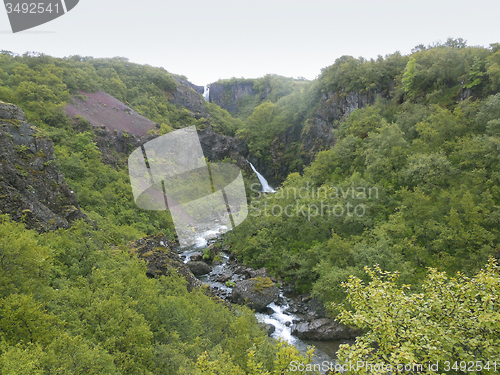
point(277, 315)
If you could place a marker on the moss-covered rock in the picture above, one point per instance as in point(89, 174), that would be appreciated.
point(32, 189)
point(256, 293)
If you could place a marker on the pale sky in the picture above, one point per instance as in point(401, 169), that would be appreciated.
point(212, 39)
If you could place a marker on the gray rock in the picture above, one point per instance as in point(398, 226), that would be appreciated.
point(11, 112)
point(323, 329)
point(188, 96)
point(243, 271)
point(199, 268)
point(255, 293)
point(222, 278)
point(161, 260)
point(228, 96)
point(269, 328)
point(217, 147)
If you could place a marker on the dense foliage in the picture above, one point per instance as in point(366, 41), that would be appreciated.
point(412, 183)
point(78, 301)
point(71, 304)
point(450, 327)
point(43, 85)
point(275, 104)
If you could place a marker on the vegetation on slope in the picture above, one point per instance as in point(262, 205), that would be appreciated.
point(77, 301)
point(411, 183)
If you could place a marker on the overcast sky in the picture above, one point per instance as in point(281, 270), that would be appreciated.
point(212, 39)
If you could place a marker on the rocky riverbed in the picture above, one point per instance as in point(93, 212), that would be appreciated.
point(299, 319)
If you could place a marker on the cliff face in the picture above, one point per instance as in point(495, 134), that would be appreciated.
point(228, 96)
point(290, 151)
point(317, 134)
point(32, 189)
point(116, 148)
point(335, 106)
point(296, 148)
point(298, 145)
point(217, 147)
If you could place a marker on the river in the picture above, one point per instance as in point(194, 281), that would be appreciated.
point(277, 314)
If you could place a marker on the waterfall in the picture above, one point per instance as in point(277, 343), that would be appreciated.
point(206, 93)
point(265, 186)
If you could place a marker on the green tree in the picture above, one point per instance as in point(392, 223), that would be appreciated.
point(261, 127)
point(454, 319)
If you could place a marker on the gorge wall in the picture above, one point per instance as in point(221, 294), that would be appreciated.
point(34, 191)
point(227, 96)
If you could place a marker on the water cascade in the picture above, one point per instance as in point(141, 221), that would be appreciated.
point(206, 93)
point(265, 186)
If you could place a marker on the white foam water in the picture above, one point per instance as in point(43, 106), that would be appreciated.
point(265, 186)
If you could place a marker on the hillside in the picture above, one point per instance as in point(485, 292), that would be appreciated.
point(387, 211)
point(102, 109)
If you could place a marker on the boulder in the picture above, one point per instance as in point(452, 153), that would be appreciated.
point(323, 329)
point(243, 271)
point(256, 293)
point(196, 258)
point(223, 277)
point(269, 328)
point(199, 268)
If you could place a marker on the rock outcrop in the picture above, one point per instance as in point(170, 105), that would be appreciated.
point(323, 329)
point(335, 106)
point(217, 146)
point(116, 146)
point(188, 96)
point(307, 141)
point(157, 251)
point(268, 328)
point(256, 293)
point(32, 189)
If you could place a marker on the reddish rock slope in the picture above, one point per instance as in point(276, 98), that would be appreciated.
point(102, 109)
